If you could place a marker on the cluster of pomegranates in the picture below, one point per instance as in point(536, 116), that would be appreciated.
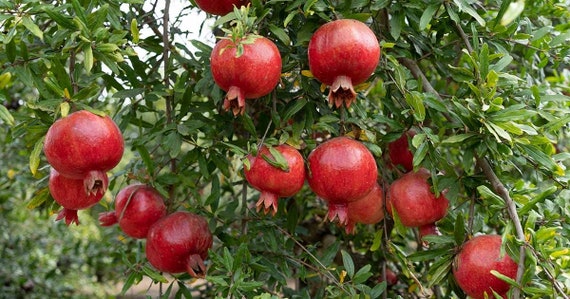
point(81, 147)
point(175, 243)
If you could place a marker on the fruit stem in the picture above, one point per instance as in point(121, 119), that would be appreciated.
point(235, 100)
point(195, 266)
point(342, 91)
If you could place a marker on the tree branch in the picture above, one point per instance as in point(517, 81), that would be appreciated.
point(496, 183)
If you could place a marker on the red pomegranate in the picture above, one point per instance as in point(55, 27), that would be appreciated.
point(84, 146)
point(179, 243)
point(342, 54)
point(253, 74)
point(391, 277)
point(399, 151)
point(413, 200)
point(366, 210)
point(341, 170)
point(472, 267)
point(137, 208)
point(220, 7)
point(272, 181)
point(70, 193)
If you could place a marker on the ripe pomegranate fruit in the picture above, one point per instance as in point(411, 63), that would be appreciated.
point(472, 267)
point(391, 278)
point(220, 7)
point(137, 208)
point(342, 54)
point(341, 170)
point(413, 200)
point(272, 181)
point(84, 146)
point(179, 243)
point(253, 74)
point(399, 151)
point(70, 193)
point(366, 210)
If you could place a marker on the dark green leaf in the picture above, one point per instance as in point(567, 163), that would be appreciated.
point(347, 263)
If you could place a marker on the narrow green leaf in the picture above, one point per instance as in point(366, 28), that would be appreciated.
point(484, 60)
point(459, 138)
point(154, 275)
point(87, 58)
point(396, 23)
point(347, 263)
point(504, 278)
point(439, 274)
point(34, 29)
point(415, 101)
point(40, 197)
point(35, 155)
point(133, 278)
point(513, 11)
point(459, 230)
point(135, 31)
point(542, 159)
point(6, 116)
point(466, 7)
point(487, 194)
point(280, 34)
point(276, 159)
point(377, 240)
point(427, 15)
point(62, 20)
point(362, 275)
point(537, 199)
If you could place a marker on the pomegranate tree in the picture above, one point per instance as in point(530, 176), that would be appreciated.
point(220, 7)
point(274, 178)
point(84, 146)
point(246, 68)
point(473, 265)
point(179, 243)
point(70, 193)
point(342, 54)
point(341, 170)
point(399, 151)
point(413, 200)
point(366, 210)
point(137, 208)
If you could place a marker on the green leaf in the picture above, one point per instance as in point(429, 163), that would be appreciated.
point(347, 263)
point(135, 31)
point(133, 279)
point(415, 101)
point(34, 29)
point(280, 34)
point(377, 240)
point(459, 232)
point(40, 197)
point(504, 278)
point(154, 275)
point(276, 159)
point(439, 273)
point(513, 11)
point(487, 194)
point(362, 275)
point(6, 116)
point(87, 58)
point(427, 15)
point(542, 159)
point(128, 93)
point(459, 138)
point(61, 19)
point(396, 23)
point(464, 6)
point(35, 155)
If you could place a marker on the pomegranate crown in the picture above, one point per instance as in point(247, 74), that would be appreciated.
point(242, 22)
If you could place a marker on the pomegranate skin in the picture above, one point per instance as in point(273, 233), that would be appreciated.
point(70, 193)
point(341, 170)
point(472, 267)
point(179, 243)
point(137, 208)
point(83, 142)
point(252, 75)
point(399, 151)
point(366, 210)
point(342, 54)
point(220, 7)
point(412, 198)
point(273, 182)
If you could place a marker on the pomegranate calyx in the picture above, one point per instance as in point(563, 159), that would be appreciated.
point(235, 100)
point(108, 218)
point(342, 91)
point(267, 201)
point(195, 266)
point(95, 182)
point(339, 211)
point(349, 228)
point(70, 216)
